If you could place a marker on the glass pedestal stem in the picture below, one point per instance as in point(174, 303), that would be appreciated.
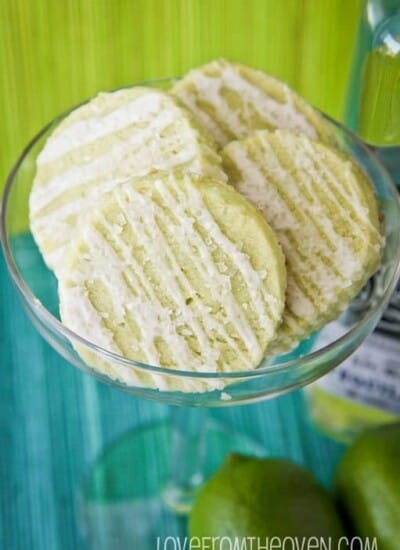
point(187, 457)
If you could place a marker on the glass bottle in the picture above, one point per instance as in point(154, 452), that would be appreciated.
point(365, 389)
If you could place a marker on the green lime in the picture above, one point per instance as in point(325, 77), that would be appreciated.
point(367, 482)
point(252, 497)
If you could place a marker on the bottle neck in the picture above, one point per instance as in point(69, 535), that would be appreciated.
point(377, 11)
point(373, 101)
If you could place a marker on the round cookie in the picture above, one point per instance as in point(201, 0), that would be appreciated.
point(178, 272)
point(117, 135)
point(232, 100)
point(325, 215)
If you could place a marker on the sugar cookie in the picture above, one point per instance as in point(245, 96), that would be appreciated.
point(326, 217)
point(175, 271)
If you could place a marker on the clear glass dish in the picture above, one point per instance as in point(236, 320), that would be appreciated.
point(37, 290)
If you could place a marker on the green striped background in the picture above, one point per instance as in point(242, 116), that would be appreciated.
point(55, 53)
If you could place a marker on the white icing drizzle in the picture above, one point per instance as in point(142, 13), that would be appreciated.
point(56, 220)
point(283, 219)
point(315, 220)
point(209, 121)
point(75, 304)
point(130, 157)
point(205, 263)
point(304, 228)
point(87, 130)
point(359, 216)
point(165, 254)
point(159, 253)
point(256, 287)
point(218, 282)
point(151, 319)
point(208, 88)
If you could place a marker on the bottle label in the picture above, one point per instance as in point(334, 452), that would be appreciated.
point(371, 376)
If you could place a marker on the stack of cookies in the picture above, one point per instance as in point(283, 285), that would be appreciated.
point(201, 229)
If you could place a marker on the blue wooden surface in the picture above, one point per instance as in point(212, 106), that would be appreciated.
point(55, 421)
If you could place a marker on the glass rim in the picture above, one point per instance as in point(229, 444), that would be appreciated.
point(58, 327)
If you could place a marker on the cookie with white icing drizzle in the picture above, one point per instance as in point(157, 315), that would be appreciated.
point(178, 272)
point(117, 135)
point(326, 217)
point(232, 100)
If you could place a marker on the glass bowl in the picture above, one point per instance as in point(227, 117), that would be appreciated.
point(37, 289)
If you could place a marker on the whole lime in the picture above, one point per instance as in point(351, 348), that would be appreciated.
point(251, 497)
point(367, 483)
